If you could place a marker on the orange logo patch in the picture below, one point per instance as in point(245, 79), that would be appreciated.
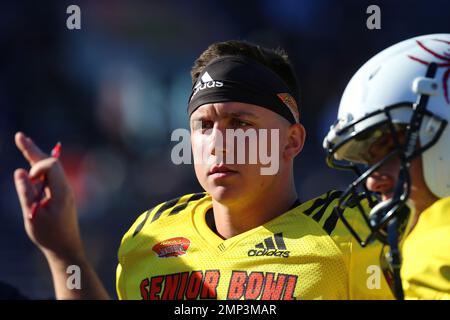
point(173, 247)
point(289, 101)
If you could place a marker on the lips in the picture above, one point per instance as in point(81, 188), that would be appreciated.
point(387, 195)
point(221, 170)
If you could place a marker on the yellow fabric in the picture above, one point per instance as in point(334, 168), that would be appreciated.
point(289, 257)
point(426, 255)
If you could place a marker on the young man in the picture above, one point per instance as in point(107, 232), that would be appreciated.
point(393, 118)
point(247, 236)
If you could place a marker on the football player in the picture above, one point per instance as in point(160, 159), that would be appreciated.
point(247, 236)
point(393, 131)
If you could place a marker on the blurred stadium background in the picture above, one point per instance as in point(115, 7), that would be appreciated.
point(113, 92)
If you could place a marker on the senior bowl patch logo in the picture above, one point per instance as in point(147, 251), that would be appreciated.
point(173, 247)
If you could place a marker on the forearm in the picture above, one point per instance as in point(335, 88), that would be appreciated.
point(67, 287)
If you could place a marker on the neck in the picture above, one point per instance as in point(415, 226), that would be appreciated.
point(422, 199)
point(240, 216)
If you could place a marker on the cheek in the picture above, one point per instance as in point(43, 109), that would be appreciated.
point(197, 152)
point(198, 147)
point(201, 175)
point(265, 145)
point(392, 167)
point(195, 143)
point(416, 173)
point(252, 178)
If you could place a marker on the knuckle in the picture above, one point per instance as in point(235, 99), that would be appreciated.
point(53, 163)
point(52, 160)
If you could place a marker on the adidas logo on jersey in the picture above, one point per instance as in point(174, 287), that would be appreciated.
point(269, 247)
point(205, 82)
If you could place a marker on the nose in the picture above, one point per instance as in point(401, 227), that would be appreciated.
point(380, 182)
point(217, 146)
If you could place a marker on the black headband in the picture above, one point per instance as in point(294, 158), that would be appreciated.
point(241, 79)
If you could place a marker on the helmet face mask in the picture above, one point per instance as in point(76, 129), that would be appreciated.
point(348, 148)
point(395, 78)
point(355, 157)
point(401, 92)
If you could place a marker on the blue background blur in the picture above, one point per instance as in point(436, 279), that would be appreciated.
point(113, 92)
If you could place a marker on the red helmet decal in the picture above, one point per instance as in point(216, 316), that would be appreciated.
point(445, 56)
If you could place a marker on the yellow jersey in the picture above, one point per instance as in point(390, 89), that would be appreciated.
point(170, 253)
point(425, 268)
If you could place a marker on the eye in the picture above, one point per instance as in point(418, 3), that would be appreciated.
point(380, 148)
point(202, 125)
point(239, 123)
point(206, 124)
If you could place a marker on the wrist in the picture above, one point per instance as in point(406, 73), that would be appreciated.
point(65, 257)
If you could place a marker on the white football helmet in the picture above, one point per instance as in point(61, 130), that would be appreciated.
point(405, 86)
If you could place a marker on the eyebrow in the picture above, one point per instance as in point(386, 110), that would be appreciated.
point(242, 113)
point(234, 114)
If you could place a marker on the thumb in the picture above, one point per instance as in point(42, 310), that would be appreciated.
point(25, 191)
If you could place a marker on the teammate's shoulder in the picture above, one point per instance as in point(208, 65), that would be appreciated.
point(436, 214)
point(320, 209)
point(174, 207)
point(323, 209)
point(442, 204)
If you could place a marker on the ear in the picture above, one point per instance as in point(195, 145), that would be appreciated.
point(296, 135)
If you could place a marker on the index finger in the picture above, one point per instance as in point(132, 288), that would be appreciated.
point(29, 149)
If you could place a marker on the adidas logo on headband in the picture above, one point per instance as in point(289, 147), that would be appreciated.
point(206, 82)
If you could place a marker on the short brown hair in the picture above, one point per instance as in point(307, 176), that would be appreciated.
point(275, 59)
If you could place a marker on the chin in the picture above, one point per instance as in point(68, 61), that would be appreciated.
point(225, 194)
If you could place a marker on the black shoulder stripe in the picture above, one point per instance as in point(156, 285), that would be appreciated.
point(316, 204)
point(141, 225)
point(322, 202)
point(331, 222)
point(167, 205)
point(196, 196)
point(334, 195)
point(179, 208)
point(355, 200)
